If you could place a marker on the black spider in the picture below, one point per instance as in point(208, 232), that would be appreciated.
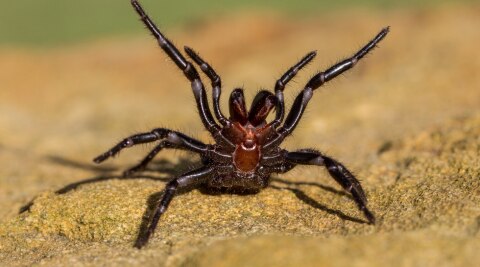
point(246, 150)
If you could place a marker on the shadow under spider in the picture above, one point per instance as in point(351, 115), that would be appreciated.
point(161, 166)
point(315, 204)
point(323, 187)
point(167, 167)
point(312, 202)
point(155, 198)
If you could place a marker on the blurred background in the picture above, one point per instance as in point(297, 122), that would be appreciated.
point(55, 23)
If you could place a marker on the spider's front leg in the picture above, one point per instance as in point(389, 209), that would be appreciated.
point(301, 101)
point(193, 178)
point(282, 82)
point(339, 172)
point(216, 84)
point(187, 68)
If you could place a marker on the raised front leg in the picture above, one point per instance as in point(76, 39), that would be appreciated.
point(318, 80)
point(282, 82)
point(187, 68)
point(193, 178)
point(216, 83)
point(339, 172)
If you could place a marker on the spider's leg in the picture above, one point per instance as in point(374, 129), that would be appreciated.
point(318, 80)
point(192, 178)
point(282, 82)
point(173, 137)
point(217, 156)
point(280, 168)
point(339, 172)
point(216, 83)
point(141, 166)
point(187, 68)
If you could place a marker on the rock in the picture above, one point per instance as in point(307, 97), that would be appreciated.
point(430, 207)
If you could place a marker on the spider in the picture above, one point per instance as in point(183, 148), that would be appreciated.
point(247, 147)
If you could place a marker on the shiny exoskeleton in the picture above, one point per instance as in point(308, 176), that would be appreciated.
point(246, 150)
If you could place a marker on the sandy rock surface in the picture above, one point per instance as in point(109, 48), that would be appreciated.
point(406, 120)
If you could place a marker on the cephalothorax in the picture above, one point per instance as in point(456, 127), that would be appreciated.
point(246, 150)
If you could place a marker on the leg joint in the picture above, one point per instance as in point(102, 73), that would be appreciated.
point(160, 132)
point(174, 138)
point(171, 186)
point(191, 72)
point(279, 86)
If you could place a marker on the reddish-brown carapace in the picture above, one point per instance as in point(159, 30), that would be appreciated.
point(247, 147)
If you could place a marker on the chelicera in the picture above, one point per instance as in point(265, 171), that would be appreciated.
point(247, 147)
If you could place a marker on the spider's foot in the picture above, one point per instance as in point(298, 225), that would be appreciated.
point(141, 242)
point(101, 158)
point(369, 215)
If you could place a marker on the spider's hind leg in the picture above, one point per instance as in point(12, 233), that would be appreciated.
point(338, 172)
